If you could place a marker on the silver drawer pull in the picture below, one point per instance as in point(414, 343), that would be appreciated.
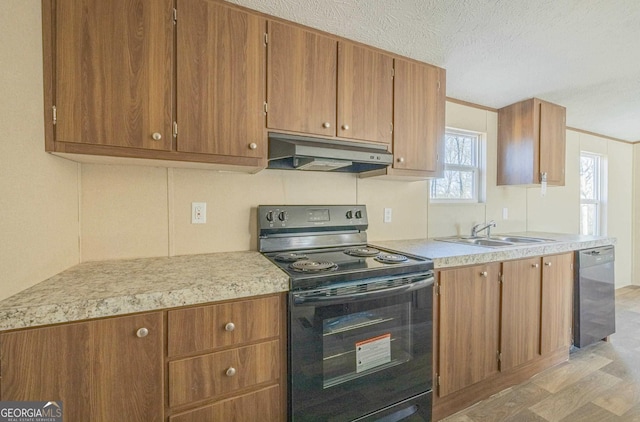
point(156, 136)
point(535, 265)
point(231, 371)
point(484, 273)
point(548, 264)
point(142, 332)
point(230, 326)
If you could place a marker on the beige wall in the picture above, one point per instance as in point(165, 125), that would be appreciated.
point(636, 214)
point(48, 204)
point(38, 192)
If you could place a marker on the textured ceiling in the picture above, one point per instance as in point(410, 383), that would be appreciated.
point(582, 54)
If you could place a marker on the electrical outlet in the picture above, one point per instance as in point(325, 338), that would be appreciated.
point(387, 215)
point(198, 212)
point(505, 213)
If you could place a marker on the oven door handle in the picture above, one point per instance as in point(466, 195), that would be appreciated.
point(327, 300)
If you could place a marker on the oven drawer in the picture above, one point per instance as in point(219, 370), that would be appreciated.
point(208, 376)
point(261, 405)
point(206, 328)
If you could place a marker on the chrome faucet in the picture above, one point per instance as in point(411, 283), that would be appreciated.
point(479, 227)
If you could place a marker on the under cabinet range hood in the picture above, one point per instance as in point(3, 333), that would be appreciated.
point(294, 152)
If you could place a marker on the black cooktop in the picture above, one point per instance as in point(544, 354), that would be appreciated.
point(315, 268)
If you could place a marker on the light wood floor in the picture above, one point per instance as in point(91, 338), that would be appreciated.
point(599, 383)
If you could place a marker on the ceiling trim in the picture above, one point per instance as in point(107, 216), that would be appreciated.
point(474, 105)
point(611, 138)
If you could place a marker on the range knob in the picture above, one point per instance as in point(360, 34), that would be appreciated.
point(283, 216)
point(269, 216)
point(349, 214)
point(358, 214)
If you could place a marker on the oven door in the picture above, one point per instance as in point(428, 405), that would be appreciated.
point(361, 349)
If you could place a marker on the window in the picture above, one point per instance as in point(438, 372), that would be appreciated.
point(461, 178)
point(590, 193)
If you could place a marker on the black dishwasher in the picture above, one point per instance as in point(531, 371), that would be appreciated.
point(594, 308)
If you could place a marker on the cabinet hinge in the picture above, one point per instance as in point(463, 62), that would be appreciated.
point(438, 380)
point(501, 279)
point(438, 85)
point(266, 107)
point(499, 356)
point(266, 38)
point(393, 73)
point(436, 288)
point(55, 114)
point(175, 16)
point(175, 129)
point(391, 126)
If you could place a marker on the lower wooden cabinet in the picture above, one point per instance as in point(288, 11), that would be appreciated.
point(226, 362)
point(557, 302)
point(231, 365)
point(497, 325)
point(469, 326)
point(102, 371)
point(520, 312)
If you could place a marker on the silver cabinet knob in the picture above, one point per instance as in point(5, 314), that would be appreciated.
point(142, 332)
point(535, 265)
point(230, 326)
point(326, 125)
point(401, 160)
point(231, 371)
point(345, 127)
point(156, 136)
point(253, 145)
point(548, 264)
point(483, 273)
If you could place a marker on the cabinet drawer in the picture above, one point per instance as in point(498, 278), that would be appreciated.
point(209, 327)
point(261, 405)
point(208, 376)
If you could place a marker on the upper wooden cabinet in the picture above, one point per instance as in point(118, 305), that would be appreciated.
point(320, 86)
point(104, 370)
point(113, 72)
point(365, 94)
point(531, 143)
point(301, 80)
point(419, 102)
point(112, 75)
point(469, 326)
point(221, 55)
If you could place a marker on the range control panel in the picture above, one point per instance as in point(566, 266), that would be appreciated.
point(295, 217)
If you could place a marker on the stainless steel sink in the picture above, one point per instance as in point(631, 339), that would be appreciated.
point(495, 241)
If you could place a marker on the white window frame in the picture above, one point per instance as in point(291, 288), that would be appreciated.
point(600, 193)
point(477, 169)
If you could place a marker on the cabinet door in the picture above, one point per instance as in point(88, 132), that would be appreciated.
point(301, 80)
point(101, 370)
point(552, 142)
point(365, 93)
point(557, 300)
point(261, 405)
point(113, 72)
point(469, 326)
point(221, 80)
point(520, 328)
point(419, 101)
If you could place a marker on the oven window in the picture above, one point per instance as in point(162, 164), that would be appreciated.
point(359, 343)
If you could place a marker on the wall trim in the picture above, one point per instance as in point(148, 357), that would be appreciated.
point(611, 138)
point(474, 105)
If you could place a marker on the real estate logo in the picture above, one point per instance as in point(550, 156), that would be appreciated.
point(30, 411)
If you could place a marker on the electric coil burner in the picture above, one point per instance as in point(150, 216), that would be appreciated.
point(360, 317)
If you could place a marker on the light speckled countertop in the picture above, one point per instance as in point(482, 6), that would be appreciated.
point(108, 288)
point(447, 254)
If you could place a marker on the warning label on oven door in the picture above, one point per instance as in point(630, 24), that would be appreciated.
point(373, 352)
